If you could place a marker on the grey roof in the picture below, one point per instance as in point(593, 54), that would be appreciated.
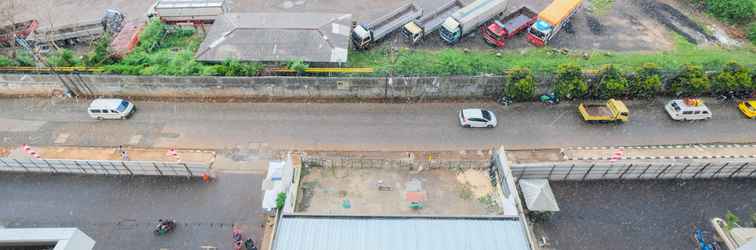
point(538, 195)
point(312, 37)
point(398, 233)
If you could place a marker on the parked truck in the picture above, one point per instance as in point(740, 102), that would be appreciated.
point(611, 111)
point(364, 35)
point(188, 11)
point(21, 30)
point(551, 20)
point(469, 18)
point(497, 32)
point(126, 40)
point(430, 21)
point(78, 32)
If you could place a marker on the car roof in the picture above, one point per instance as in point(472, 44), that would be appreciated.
point(106, 102)
point(477, 113)
point(685, 105)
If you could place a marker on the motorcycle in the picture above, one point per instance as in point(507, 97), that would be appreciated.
point(164, 227)
point(248, 244)
point(504, 101)
point(549, 98)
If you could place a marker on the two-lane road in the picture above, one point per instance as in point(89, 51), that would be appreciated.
point(354, 126)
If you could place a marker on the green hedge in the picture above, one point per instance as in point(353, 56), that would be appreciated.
point(520, 85)
point(733, 11)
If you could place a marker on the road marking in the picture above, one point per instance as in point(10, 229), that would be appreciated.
point(557, 119)
point(135, 139)
point(61, 138)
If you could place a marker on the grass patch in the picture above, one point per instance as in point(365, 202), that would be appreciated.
point(454, 61)
point(601, 7)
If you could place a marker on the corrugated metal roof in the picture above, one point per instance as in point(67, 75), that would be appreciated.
point(312, 37)
point(398, 233)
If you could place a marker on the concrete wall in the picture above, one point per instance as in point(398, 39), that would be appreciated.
point(255, 87)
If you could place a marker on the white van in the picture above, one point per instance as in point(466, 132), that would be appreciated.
point(110, 109)
point(687, 110)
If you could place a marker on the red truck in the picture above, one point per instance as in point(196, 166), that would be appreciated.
point(127, 39)
point(496, 32)
point(22, 30)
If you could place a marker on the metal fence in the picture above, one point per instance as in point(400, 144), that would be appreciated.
point(103, 167)
point(637, 170)
point(400, 164)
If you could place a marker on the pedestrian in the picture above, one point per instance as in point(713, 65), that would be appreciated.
point(124, 155)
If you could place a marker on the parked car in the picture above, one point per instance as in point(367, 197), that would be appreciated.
point(110, 108)
point(748, 108)
point(477, 118)
point(687, 110)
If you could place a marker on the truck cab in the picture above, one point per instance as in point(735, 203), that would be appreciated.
point(412, 31)
point(539, 33)
point(611, 111)
point(361, 37)
point(451, 31)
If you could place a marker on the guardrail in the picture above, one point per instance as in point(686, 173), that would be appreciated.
point(104, 167)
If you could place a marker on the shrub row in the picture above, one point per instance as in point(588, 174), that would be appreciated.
point(609, 82)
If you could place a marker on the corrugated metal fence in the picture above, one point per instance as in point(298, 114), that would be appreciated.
point(103, 167)
point(637, 170)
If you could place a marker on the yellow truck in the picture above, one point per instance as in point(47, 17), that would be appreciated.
point(611, 111)
point(748, 108)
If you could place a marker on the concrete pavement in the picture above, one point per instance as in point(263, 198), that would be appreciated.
point(362, 126)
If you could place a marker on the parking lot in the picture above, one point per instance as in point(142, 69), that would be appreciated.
point(642, 214)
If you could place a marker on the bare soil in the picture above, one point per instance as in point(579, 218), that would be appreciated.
point(356, 192)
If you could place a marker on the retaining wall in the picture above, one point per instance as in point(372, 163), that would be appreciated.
point(255, 87)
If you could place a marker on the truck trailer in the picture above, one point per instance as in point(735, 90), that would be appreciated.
point(364, 35)
point(497, 32)
point(469, 18)
point(430, 21)
point(189, 11)
point(82, 31)
point(551, 20)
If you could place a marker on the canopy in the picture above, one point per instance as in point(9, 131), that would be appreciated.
point(538, 195)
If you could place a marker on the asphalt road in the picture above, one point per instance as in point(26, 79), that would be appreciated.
point(643, 214)
point(354, 126)
point(121, 212)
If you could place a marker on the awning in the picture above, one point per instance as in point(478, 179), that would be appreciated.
point(538, 195)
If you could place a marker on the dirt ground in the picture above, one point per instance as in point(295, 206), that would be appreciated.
point(356, 192)
point(134, 154)
point(627, 25)
point(406, 155)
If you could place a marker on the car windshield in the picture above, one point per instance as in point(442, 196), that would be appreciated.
point(676, 107)
point(486, 114)
point(748, 106)
point(123, 106)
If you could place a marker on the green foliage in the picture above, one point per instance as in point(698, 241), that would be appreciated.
point(752, 32)
point(520, 85)
point(569, 82)
point(734, 11)
point(734, 77)
point(280, 200)
point(24, 59)
point(647, 82)
point(691, 81)
point(6, 62)
point(151, 36)
point(63, 58)
point(298, 66)
point(100, 55)
point(731, 219)
point(612, 83)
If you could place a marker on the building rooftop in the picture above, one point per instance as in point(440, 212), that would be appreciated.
point(312, 37)
point(416, 233)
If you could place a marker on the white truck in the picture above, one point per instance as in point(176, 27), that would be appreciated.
point(188, 11)
point(82, 31)
point(430, 21)
point(469, 18)
point(364, 35)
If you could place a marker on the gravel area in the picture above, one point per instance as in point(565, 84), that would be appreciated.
point(642, 214)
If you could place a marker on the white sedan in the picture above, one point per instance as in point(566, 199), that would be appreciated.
point(477, 118)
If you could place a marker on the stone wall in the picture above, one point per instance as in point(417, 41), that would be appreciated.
point(255, 87)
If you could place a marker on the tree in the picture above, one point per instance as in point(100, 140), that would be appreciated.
point(298, 66)
point(733, 11)
point(690, 81)
point(733, 78)
point(752, 32)
point(647, 82)
point(611, 83)
point(570, 82)
point(520, 85)
point(100, 55)
point(63, 58)
point(280, 200)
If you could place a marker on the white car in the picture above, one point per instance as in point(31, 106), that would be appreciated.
point(687, 110)
point(110, 108)
point(477, 118)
